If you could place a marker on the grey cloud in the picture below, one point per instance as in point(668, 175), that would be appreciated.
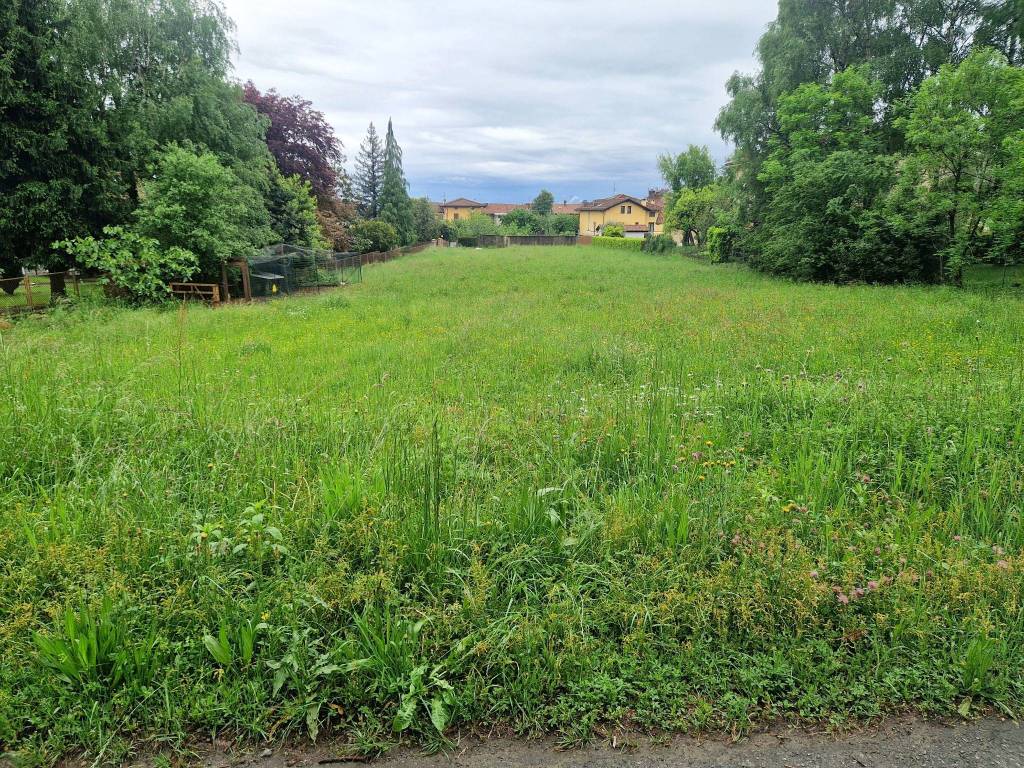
point(499, 99)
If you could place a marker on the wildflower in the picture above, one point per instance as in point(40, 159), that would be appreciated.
point(814, 575)
point(264, 616)
point(675, 467)
point(843, 599)
point(697, 455)
point(872, 586)
point(957, 538)
point(708, 443)
point(736, 540)
point(700, 477)
point(878, 550)
point(1002, 564)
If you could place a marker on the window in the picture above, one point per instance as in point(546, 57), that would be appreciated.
point(629, 209)
point(651, 214)
point(455, 217)
point(650, 228)
point(622, 209)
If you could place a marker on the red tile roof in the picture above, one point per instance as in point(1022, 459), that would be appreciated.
point(635, 228)
point(610, 202)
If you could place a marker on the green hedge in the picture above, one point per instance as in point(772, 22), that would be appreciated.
point(622, 243)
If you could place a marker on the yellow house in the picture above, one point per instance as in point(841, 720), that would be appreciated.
point(637, 217)
point(460, 208)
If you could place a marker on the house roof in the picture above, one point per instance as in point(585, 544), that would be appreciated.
point(462, 202)
point(610, 202)
point(501, 209)
point(635, 228)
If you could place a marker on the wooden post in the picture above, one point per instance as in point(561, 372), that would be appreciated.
point(215, 294)
point(246, 285)
point(28, 291)
point(224, 281)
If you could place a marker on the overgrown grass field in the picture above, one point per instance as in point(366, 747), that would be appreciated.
point(534, 488)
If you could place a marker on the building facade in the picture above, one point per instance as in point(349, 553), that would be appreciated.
point(637, 217)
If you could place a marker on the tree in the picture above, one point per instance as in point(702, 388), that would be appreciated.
point(300, 139)
point(1007, 209)
point(59, 174)
point(828, 183)
point(369, 176)
point(395, 205)
point(197, 204)
point(475, 225)
point(960, 129)
point(293, 212)
point(372, 236)
point(543, 203)
point(562, 224)
point(692, 169)
point(902, 42)
point(425, 220)
point(521, 221)
point(694, 211)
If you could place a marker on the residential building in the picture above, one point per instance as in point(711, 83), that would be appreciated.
point(638, 217)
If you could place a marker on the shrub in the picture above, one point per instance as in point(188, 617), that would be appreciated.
point(197, 204)
point(477, 224)
point(620, 243)
point(137, 267)
point(659, 244)
point(614, 230)
point(370, 236)
point(721, 241)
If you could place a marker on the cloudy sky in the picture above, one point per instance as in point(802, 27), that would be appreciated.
point(494, 101)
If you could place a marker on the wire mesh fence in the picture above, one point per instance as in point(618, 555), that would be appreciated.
point(287, 269)
point(40, 290)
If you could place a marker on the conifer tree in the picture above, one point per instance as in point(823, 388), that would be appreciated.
point(395, 205)
point(369, 175)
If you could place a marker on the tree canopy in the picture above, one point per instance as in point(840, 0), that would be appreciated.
point(875, 140)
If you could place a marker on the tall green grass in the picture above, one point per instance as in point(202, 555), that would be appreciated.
point(537, 487)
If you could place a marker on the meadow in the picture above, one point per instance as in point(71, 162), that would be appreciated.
point(537, 490)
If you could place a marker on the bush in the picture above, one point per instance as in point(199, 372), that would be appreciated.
point(659, 244)
point(137, 267)
point(620, 243)
point(197, 204)
point(477, 224)
point(614, 230)
point(371, 236)
point(721, 242)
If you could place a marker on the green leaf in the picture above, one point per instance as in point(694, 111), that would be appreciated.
point(221, 652)
point(439, 713)
point(405, 715)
